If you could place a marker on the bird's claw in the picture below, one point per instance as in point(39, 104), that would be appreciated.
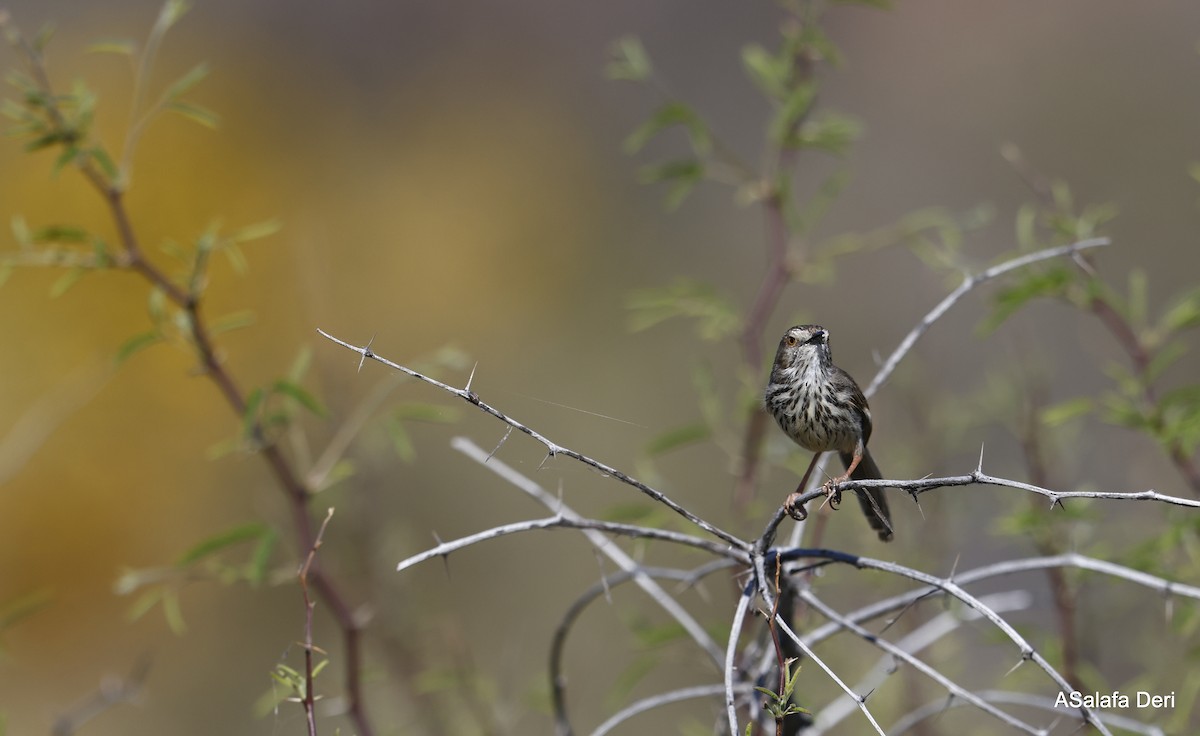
point(794, 507)
point(832, 497)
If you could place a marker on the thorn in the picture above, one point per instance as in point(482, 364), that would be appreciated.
point(603, 578)
point(366, 353)
point(1015, 666)
point(499, 444)
point(471, 377)
point(445, 557)
point(954, 567)
point(979, 468)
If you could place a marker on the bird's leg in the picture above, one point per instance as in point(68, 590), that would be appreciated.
point(835, 497)
point(792, 504)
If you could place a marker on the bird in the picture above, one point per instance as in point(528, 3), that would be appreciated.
point(821, 408)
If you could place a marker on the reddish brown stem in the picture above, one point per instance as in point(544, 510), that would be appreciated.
point(1141, 359)
point(133, 258)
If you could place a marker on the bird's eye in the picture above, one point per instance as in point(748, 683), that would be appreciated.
point(790, 341)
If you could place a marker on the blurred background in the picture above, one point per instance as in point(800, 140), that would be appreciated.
point(452, 174)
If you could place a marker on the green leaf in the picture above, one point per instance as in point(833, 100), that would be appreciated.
point(299, 395)
point(795, 106)
point(250, 417)
point(676, 438)
point(66, 281)
point(21, 232)
point(185, 83)
point(716, 317)
point(832, 133)
point(104, 161)
point(173, 612)
point(221, 541)
point(1027, 227)
point(257, 231)
point(1184, 314)
point(300, 364)
point(683, 175)
point(69, 156)
point(196, 113)
point(256, 568)
point(229, 322)
point(1061, 413)
point(628, 61)
point(172, 11)
point(1137, 298)
point(42, 38)
point(668, 116)
point(1052, 282)
point(60, 234)
point(123, 47)
point(136, 344)
point(769, 73)
point(1163, 359)
point(401, 441)
point(237, 259)
point(146, 601)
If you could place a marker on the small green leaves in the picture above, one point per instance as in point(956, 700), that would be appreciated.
point(162, 586)
point(716, 317)
point(831, 133)
point(668, 116)
point(683, 176)
point(137, 344)
point(170, 14)
point(1061, 413)
point(769, 72)
point(1051, 282)
point(221, 541)
point(628, 61)
point(196, 113)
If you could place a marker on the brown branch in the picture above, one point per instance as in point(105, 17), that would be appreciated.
point(133, 258)
point(1141, 358)
point(310, 700)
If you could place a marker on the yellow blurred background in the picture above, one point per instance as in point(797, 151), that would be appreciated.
point(452, 174)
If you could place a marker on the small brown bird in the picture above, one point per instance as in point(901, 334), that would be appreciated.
point(822, 409)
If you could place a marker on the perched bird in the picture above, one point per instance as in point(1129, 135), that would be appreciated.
point(822, 409)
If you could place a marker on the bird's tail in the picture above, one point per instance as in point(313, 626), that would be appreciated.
point(873, 502)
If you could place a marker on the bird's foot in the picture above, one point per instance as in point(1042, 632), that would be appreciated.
point(794, 507)
point(833, 496)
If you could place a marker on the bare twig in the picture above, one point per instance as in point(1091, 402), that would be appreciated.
point(903, 653)
point(924, 636)
point(112, 691)
point(976, 477)
point(552, 449)
point(969, 283)
point(558, 684)
point(309, 700)
point(657, 701)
